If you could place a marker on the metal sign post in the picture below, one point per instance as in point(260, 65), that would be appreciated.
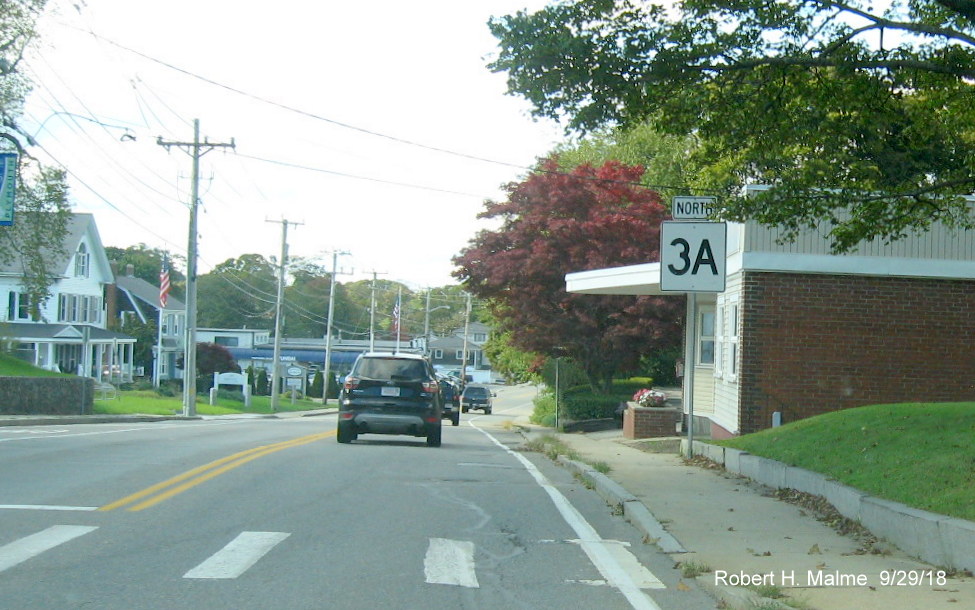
point(693, 259)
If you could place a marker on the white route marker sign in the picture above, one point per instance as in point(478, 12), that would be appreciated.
point(693, 256)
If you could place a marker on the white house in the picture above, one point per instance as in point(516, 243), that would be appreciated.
point(139, 299)
point(71, 335)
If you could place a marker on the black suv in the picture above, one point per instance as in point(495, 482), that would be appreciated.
point(388, 393)
point(476, 397)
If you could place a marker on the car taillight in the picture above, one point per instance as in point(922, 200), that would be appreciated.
point(431, 386)
point(351, 383)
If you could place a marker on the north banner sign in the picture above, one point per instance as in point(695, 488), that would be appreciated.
point(693, 256)
point(693, 208)
point(8, 187)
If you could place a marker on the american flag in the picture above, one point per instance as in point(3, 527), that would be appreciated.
point(164, 283)
point(395, 327)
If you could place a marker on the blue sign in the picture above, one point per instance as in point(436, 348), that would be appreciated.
point(8, 186)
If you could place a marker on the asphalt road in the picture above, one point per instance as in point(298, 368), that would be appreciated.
point(274, 513)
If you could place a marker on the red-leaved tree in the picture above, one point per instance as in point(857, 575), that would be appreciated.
point(554, 223)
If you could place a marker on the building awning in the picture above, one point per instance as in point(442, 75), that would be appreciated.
point(641, 279)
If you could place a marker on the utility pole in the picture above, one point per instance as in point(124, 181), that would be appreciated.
point(196, 149)
point(275, 376)
point(327, 372)
point(372, 314)
point(426, 326)
point(467, 325)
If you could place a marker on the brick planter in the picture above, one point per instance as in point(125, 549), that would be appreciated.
point(650, 422)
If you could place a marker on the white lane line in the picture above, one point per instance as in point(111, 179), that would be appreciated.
point(589, 539)
point(148, 426)
point(237, 557)
point(21, 550)
point(450, 562)
point(45, 507)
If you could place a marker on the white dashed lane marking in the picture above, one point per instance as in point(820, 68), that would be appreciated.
point(237, 557)
point(21, 550)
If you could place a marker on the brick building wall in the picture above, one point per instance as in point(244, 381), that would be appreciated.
point(811, 344)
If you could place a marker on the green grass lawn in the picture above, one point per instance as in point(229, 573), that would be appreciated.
point(919, 454)
point(14, 367)
point(149, 402)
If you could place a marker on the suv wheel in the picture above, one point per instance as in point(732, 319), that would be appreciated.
point(433, 437)
point(346, 434)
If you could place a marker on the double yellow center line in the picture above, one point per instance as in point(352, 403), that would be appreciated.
point(178, 484)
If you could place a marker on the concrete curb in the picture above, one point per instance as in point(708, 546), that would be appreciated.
point(936, 539)
point(632, 509)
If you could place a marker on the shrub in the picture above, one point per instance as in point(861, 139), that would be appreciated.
point(170, 389)
point(544, 408)
point(590, 406)
point(234, 395)
point(315, 389)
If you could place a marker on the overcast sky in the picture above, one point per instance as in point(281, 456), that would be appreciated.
point(335, 108)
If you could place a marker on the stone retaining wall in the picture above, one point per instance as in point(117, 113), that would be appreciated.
point(934, 538)
point(46, 395)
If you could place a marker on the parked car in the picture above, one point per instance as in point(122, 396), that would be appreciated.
point(388, 393)
point(476, 397)
point(451, 400)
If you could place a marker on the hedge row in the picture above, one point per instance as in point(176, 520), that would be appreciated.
point(580, 403)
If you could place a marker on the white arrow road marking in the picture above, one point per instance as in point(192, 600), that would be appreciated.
point(21, 550)
point(450, 562)
point(237, 557)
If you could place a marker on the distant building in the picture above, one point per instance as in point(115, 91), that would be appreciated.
point(447, 353)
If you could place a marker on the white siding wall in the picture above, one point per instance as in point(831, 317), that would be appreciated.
point(725, 412)
point(940, 243)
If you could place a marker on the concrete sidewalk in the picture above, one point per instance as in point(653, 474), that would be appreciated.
point(742, 532)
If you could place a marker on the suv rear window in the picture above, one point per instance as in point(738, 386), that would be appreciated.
point(391, 368)
point(476, 392)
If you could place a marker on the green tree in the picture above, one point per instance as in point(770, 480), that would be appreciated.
point(37, 235)
point(147, 263)
point(41, 210)
point(238, 292)
point(856, 115)
point(517, 366)
point(17, 32)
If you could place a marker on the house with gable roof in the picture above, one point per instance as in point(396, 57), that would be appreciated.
point(71, 335)
point(133, 298)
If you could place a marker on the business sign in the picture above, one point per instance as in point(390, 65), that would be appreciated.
point(693, 208)
point(294, 371)
point(693, 256)
point(8, 187)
